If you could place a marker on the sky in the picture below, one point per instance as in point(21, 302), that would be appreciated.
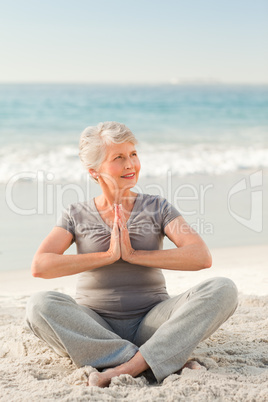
point(134, 41)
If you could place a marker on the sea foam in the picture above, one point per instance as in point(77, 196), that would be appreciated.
point(62, 162)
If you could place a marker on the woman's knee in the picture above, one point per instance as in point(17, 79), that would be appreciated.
point(42, 304)
point(225, 291)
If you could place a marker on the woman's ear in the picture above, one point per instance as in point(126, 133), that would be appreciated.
point(93, 173)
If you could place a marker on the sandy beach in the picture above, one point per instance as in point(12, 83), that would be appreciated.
point(235, 357)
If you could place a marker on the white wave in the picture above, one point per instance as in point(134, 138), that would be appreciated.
point(201, 158)
point(62, 163)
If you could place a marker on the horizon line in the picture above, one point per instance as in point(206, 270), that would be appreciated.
point(179, 83)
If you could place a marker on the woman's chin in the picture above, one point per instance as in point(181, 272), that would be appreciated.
point(127, 185)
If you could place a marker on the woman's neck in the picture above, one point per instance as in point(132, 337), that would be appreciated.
point(127, 200)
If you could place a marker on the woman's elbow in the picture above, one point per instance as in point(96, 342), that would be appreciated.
point(36, 268)
point(203, 258)
point(36, 273)
point(207, 259)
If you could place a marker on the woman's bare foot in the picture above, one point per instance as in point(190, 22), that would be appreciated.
point(101, 379)
point(134, 367)
point(193, 365)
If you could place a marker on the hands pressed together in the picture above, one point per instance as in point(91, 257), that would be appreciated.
point(120, 246)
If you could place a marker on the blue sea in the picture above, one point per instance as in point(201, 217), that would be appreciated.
point(187, 129)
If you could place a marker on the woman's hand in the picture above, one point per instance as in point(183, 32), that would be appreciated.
point(103, 178)
point(126, 249)
point(120, 245)
point(114, 250)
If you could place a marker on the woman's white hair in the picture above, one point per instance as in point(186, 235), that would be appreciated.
point(93, 141)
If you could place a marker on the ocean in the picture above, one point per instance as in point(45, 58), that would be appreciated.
point(186, 129)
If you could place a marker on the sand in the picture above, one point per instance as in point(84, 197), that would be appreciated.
point(235, 357)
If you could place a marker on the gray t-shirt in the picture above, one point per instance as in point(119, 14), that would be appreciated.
point(120, 290)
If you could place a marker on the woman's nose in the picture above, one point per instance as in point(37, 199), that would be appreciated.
point(129, 163)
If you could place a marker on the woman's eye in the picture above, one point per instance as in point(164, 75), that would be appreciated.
point(134, 153)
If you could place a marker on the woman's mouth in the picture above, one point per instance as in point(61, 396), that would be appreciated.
point(128, 176)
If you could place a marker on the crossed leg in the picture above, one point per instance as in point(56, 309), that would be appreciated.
point(164, 340)
point(172, 329)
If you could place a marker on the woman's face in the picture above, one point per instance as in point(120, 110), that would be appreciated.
point(121, 160)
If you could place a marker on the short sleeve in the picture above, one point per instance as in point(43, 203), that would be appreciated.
point(66, 221)
point(168, 213)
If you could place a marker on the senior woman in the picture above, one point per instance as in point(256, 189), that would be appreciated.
point(122, 320)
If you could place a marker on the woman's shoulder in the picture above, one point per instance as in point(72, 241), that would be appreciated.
point(153, 200)
point(152, 197)
point(80, 206)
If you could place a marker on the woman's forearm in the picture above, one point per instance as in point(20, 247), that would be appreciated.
point(192, 257)
point(50, 265)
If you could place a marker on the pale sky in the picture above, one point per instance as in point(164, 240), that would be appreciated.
point(134, 41)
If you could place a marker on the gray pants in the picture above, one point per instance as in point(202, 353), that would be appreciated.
point(165, 336)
